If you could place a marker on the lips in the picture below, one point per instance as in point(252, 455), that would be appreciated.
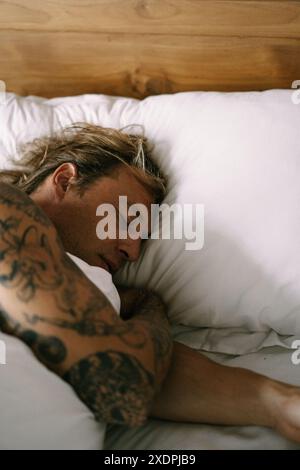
point(110, 266)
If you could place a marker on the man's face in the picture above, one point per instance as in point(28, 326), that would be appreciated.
point(75, 219)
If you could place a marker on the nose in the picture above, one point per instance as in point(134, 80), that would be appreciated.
point(130, 249)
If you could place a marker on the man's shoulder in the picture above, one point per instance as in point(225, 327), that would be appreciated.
point(13, 200)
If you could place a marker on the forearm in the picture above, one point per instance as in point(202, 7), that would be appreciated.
point(149, 313)
point(199, 390)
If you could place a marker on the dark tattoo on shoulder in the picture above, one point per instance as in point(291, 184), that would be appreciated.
point(14, 197)
point(114, 385)
point(50, 350)
point(90, 323)
point(29, 262)
point(26, 259)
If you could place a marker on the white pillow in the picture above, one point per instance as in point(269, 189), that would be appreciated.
point(239, 155)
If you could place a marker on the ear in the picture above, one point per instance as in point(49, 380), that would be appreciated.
point(63, 177)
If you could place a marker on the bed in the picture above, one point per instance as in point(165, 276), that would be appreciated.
point(187, 71)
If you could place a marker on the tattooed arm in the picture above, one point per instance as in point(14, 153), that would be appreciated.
point(115, 367)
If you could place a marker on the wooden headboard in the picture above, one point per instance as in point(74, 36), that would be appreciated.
point(144, 47)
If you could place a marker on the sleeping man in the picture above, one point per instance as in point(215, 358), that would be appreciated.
point(124, 368)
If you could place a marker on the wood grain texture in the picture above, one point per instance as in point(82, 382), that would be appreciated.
point(143, 47)
point(171, 17)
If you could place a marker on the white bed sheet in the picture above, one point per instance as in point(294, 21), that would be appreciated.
point(273, 361)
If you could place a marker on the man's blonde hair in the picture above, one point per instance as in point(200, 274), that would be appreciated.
point(96, 151)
